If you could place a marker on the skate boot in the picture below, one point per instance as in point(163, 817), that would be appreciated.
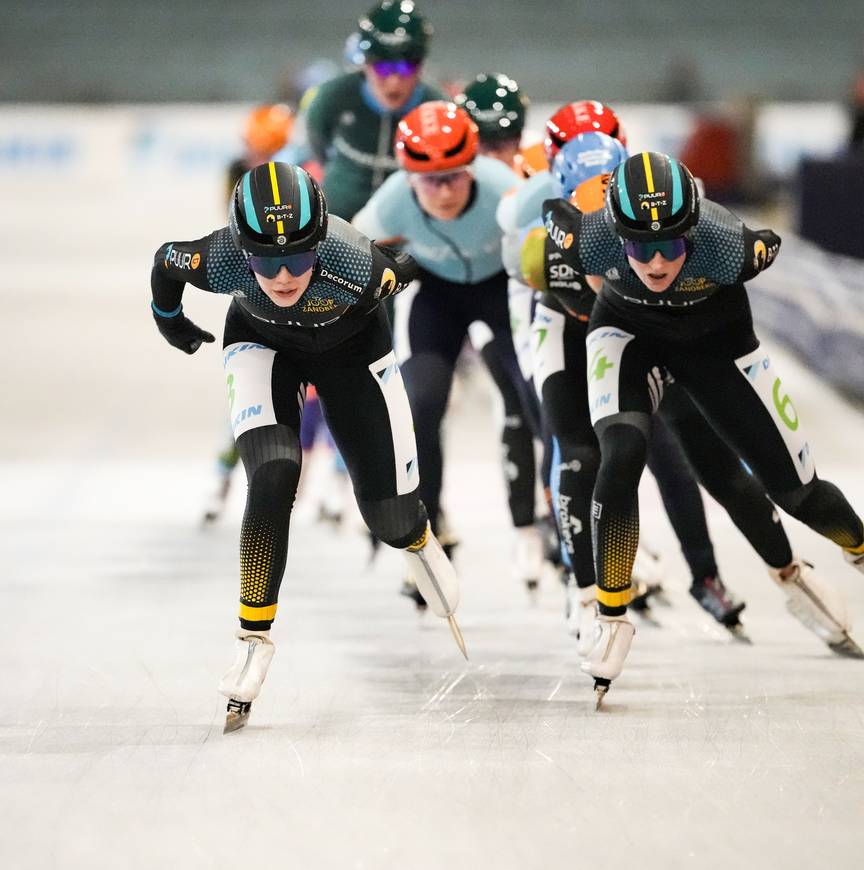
point(647, 577)
point(551, 542)
point(714, 598)
point(409, 590)
point(605, 660)
point(528, 557)
point(242, 683)
point(216, 503)
point(817, 606)
point(855, 557)
point(436, 580)
point(582, 616)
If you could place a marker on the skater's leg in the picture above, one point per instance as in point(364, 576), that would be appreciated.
point(746, 402)
point(725, 477)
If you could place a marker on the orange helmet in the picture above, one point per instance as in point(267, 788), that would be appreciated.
point(531, 160)
point(586, 116)
point(436, 137)
point(268, 129)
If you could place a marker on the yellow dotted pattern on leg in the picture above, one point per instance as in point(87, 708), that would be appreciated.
point(256, 548)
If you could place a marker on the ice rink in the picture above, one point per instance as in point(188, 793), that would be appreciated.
point(373, 744)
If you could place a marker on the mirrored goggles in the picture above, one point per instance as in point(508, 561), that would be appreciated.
point(296, 264)
point(644, 251)
point(403, 68)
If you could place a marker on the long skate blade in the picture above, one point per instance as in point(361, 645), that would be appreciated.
point(457, 635)
point(739, 634)
point(237, 716)
point(601, 687)
point(847, 648)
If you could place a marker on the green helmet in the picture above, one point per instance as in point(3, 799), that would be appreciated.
point(495, 105)
point(393, 30)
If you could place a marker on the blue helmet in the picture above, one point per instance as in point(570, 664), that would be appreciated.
point(583, 157)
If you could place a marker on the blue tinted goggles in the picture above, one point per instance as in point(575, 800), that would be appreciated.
point(296, 264)
point(645, 251)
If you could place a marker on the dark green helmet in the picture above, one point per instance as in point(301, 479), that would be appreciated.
point(394, 30)
point(496, 106)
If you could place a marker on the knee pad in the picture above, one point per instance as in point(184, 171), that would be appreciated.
point(397, 521)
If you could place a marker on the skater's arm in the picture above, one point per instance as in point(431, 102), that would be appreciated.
point(392, 271)
point(175, 265)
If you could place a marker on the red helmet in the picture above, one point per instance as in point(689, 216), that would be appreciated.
point(435, 137)
point(586, 116)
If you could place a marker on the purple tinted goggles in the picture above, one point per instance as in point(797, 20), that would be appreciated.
point(645, 251)
point(296, 264)
point(403, 68)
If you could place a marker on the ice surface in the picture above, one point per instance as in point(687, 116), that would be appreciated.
point(373, 745)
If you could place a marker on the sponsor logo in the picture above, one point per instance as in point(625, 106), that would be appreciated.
point(387, 284)
point(601, 402)
point(596, 509)
point(555, 255)
point(182, 259)
point(613, 274)
point(562, 272)
point(560, 237)
point(281, 207)
point(318, 305)
point(338, 279)
point(594, 157)
point(657, 194)
point(240, 348)
point(599, 365)
point(280, 240)
point(763, 255)
point(694, 285)
point(655, 225)
point(251, 411)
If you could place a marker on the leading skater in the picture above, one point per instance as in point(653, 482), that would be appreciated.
point(305, 311)
point(673, 300)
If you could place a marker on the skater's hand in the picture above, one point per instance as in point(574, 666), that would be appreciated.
point(180, 332)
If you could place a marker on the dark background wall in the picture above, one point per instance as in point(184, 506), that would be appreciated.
point(128, 50)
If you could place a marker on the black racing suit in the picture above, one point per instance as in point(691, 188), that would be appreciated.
point(699, 331)
point(335, 337)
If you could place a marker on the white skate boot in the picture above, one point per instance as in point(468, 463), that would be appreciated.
point(818, 606)
point(856, 560)
point(647, 577)
point(242, 683)
point(606, 658)
point(436, 580)
point(582, 616)
point(528, 556)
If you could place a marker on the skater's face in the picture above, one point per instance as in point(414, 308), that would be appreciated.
point(443, 195)
point(285, 289)
point(658, 273)
point(392, 82)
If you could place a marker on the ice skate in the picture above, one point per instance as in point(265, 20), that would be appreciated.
point(582, 616)
point(436, 581)
point(606, 658)
point(648, 574)
point(855, 559)
point(528, 557)
point(409, 590)
point(216, 503)
point(242, 683)
point(715, 599)
point(818, 606)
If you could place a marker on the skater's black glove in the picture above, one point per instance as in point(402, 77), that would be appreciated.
point(179, 331)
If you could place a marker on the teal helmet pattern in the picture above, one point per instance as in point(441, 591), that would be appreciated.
point(496, 105)
point(652, 197)
point(393, 30)
point(277, 209)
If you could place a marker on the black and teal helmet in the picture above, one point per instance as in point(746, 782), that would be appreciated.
point(393, 30)
point(277, 209)
point(496, 105)
point(652, 197)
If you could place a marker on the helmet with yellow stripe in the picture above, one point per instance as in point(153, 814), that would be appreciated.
point(277, 209)
point(652, 197)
